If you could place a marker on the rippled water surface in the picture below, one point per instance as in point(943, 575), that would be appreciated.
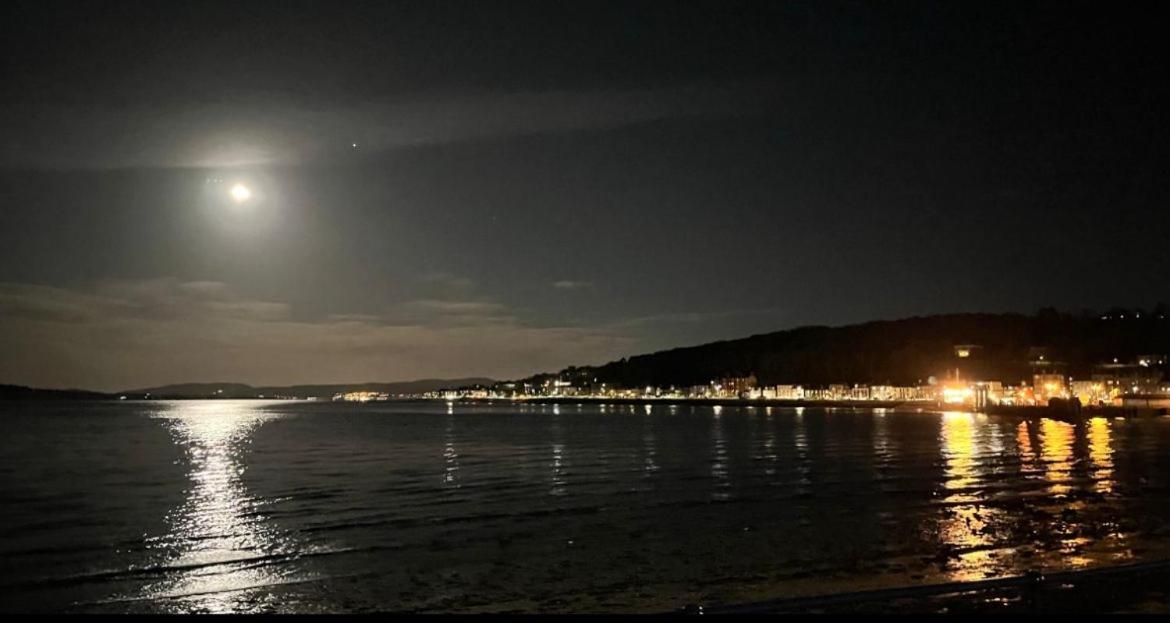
point(224, 506)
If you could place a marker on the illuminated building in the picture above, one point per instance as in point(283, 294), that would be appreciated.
point(789, 392)
point(956, 392)
point(860, 392)
point(818, 394)
point(987, 393)
point(1131, 378)
point(735, 387)
point(361, 396)
point(701, 391)
point(1048, 386)
point(1017, 395)
point(562, 388)
point(1093, 392)
point(912, 393)
point(964, 351)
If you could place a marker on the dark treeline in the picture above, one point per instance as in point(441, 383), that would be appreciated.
point(20, 392)
point(905, 352)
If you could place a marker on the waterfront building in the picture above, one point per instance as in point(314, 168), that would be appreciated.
point(817, 393)
point(563, 388)
point(735, 386)
point(789, 392)
point(651, 392)
point(363, 396)
point(859, 392)
point(1017, 395)
point(1093, 392)
point(1046, 386)
point(1130, 377)
point(986, 393)
point(956, 392)
point(701, 391)
point(912, 393)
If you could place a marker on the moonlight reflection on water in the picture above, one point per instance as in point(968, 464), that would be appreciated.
point(220, 544)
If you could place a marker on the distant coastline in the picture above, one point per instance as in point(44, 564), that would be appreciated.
point(1067, 412)
point(236, 391)
point(1064, 412)
point(20, 392)
point(710, 402)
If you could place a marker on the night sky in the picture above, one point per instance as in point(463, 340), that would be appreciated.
point(539, 184)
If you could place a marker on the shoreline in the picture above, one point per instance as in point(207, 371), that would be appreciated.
point(1063, 413)
point(713, 402)
point(1066, 412)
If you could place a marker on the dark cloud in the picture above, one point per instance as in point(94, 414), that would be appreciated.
point(264, 131)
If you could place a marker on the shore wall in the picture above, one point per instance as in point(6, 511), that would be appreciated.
point(1070, 413)
point(712, 402)
point(1064, 412)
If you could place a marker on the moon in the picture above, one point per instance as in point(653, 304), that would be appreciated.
point(240, 193)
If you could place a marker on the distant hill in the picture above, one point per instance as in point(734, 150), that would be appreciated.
point(900, 352)
point(194, 390)
point(19, 392)
point(240, 390)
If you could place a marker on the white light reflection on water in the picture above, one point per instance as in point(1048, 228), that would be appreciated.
point(882, 448)
point(557, 477)
point(450, 456)
point(649, 447)
point(800, 445)
point(770, 443)
point(220, 547)
point(719, 457)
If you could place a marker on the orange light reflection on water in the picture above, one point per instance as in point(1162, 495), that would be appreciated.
point(965, 528)
point(1056, 450)
point(1101, 454)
